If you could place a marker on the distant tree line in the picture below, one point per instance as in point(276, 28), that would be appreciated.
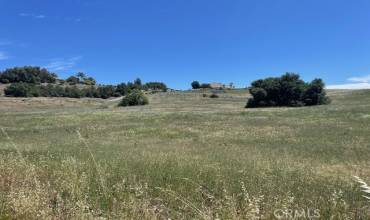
point(287, 90)
point(50, 90)
point(38, 82)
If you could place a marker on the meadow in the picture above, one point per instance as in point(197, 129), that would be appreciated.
point(183, 156)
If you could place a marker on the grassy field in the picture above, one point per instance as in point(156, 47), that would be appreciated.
point(183, 157)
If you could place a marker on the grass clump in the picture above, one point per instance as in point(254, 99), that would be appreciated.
point(134, 98)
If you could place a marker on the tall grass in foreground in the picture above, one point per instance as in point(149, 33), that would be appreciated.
point(72, 191)
point(28, 193)
point(364, 187)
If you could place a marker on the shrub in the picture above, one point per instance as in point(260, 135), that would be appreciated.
point(287, 90)
point(22, 90)
point(213, 95)
point(73, 80)
point(123, 89)
point(89, 81)
point(195, 85)
point(47, 91)
point(81, 78)
point(205, 86)
point(155, 86)
point(315, 93)
point(134, 98)
point(91, 92)
point(72, 92)
point(107, 91)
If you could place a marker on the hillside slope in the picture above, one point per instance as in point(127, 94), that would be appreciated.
point(183, 157)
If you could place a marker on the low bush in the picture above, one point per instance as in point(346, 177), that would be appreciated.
point(134, 98)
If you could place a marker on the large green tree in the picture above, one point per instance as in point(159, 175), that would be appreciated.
point(287, 90)
point(27, 74)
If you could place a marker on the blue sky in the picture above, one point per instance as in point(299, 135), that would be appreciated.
point(178, 41)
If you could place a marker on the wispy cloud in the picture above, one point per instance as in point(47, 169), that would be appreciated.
point(37, 16)
point(3, 56)
point(357, 82)
point(61, 64)
point(41, 16)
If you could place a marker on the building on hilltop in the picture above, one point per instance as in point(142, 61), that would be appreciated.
point(217, 85)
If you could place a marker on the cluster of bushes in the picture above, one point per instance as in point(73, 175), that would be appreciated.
point(155, 86)
point(27, 74)
point(287, 90)
point(80, 78)
point(197, 85)
point(126, 88)
point(134, 98)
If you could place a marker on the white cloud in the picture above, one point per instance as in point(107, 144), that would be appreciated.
point(350, 86)
point(61, 64)
point(3, 56)
point(361, 79)
point(357, 82)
